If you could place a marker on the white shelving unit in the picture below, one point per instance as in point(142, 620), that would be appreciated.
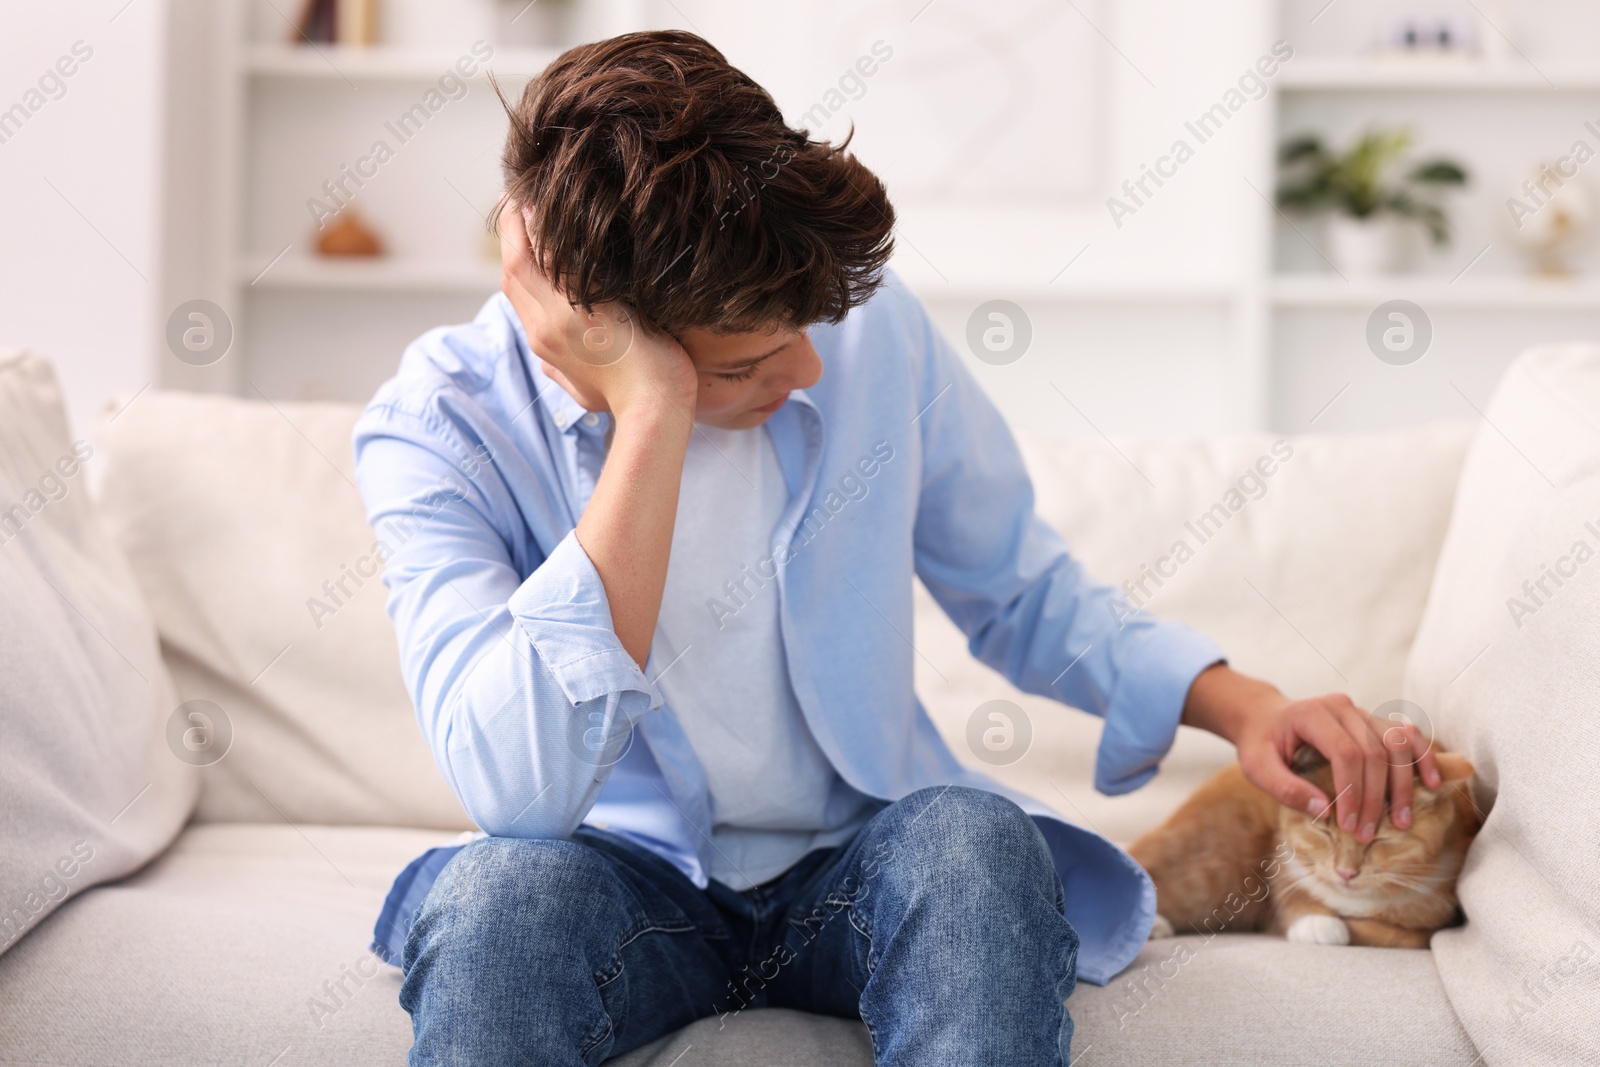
point(373, 62)
point(387, 274)
point(1500, 116)
point(1386, 75)
point(1499, 294)
point(278, 120)
point(1077, 290)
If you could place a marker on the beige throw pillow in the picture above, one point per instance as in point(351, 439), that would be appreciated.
point(89, 787)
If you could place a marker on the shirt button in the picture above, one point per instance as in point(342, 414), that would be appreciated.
point(561, 419)
point(591, 419)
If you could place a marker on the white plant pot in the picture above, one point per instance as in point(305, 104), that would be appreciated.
point(1365, 248)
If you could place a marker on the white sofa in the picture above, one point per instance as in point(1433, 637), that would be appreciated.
point(227, 915)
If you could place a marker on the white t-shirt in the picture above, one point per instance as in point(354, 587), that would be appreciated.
point(718, 659)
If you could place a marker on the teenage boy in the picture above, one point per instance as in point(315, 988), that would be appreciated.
point(665, 499)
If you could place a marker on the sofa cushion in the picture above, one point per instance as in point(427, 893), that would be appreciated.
point(1507, 667)
point(1241, 999)
point(1316, 581)
point(246, 944)
point(89, 788)
point(243, 944)
point(253, 548)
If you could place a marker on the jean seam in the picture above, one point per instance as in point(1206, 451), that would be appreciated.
point(863, 927)
point(605, 1031)
point(613, 968)
point(617, 967)
point(411, 924)
point(872, 1033)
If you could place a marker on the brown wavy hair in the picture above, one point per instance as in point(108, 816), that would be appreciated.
point(661, 176)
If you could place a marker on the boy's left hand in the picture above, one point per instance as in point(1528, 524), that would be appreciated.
point(1368, 757)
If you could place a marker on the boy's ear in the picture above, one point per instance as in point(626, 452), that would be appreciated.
point(1454, 767)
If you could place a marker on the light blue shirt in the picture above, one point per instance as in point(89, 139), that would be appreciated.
point(475, 468)
point(775, 795)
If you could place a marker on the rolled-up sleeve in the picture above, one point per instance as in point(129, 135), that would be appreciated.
point(521, 687)
point(1028, 608)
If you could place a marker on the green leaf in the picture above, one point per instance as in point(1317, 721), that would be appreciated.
point(1439, 172)
point(1306, 147)
point(1358, 181)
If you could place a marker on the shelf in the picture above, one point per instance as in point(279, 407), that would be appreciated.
point(384, 63)
point(400, 275)
point(1505, 293)
point(381, 274)
point(1074, 290)
point(1385, 74)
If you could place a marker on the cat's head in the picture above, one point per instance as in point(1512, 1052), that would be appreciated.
point(1422, 858)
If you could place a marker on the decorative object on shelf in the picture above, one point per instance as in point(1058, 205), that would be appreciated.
point(1366, 207)
point(533, 23)
point(318, 23)
point(347, 235)
point(1551, 212)
point(1430, 35)
point(350, 22)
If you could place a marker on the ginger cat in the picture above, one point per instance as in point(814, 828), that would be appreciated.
point(1233, 858)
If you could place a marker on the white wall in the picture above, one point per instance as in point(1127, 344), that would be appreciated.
point(81, 183)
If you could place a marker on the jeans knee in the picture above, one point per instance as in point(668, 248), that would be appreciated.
point(959, 835)
point(502, 956)
point(553, 894)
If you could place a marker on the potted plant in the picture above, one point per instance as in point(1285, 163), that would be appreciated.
point(1366, 205)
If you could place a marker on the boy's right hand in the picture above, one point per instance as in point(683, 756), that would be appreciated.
point(604, 359)
point(649, 386)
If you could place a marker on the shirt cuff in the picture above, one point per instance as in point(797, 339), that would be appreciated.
point(563, 611)
point(1142, 721)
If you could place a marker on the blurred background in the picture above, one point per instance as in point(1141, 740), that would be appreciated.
point(1326, 215)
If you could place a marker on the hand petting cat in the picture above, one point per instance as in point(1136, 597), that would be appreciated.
point(1369, 757)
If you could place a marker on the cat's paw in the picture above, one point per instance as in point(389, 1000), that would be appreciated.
point(1161, 928)
point(1319, 930)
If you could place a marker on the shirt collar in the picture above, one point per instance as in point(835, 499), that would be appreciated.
point(559, 407)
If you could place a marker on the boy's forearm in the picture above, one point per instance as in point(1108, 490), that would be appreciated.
point(1220, 698)
point(627, 527)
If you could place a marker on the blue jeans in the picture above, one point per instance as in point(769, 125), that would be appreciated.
point(939, 925)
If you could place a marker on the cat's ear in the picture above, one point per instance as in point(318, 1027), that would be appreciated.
point(1454, 767)
point(1306, 760)
point(1454, 770)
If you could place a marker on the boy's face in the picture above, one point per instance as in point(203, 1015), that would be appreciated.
point(745, 377)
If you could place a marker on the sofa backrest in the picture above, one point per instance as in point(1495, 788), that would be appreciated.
point(1310, 563)
point(1308, 559)
point(244, 526)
